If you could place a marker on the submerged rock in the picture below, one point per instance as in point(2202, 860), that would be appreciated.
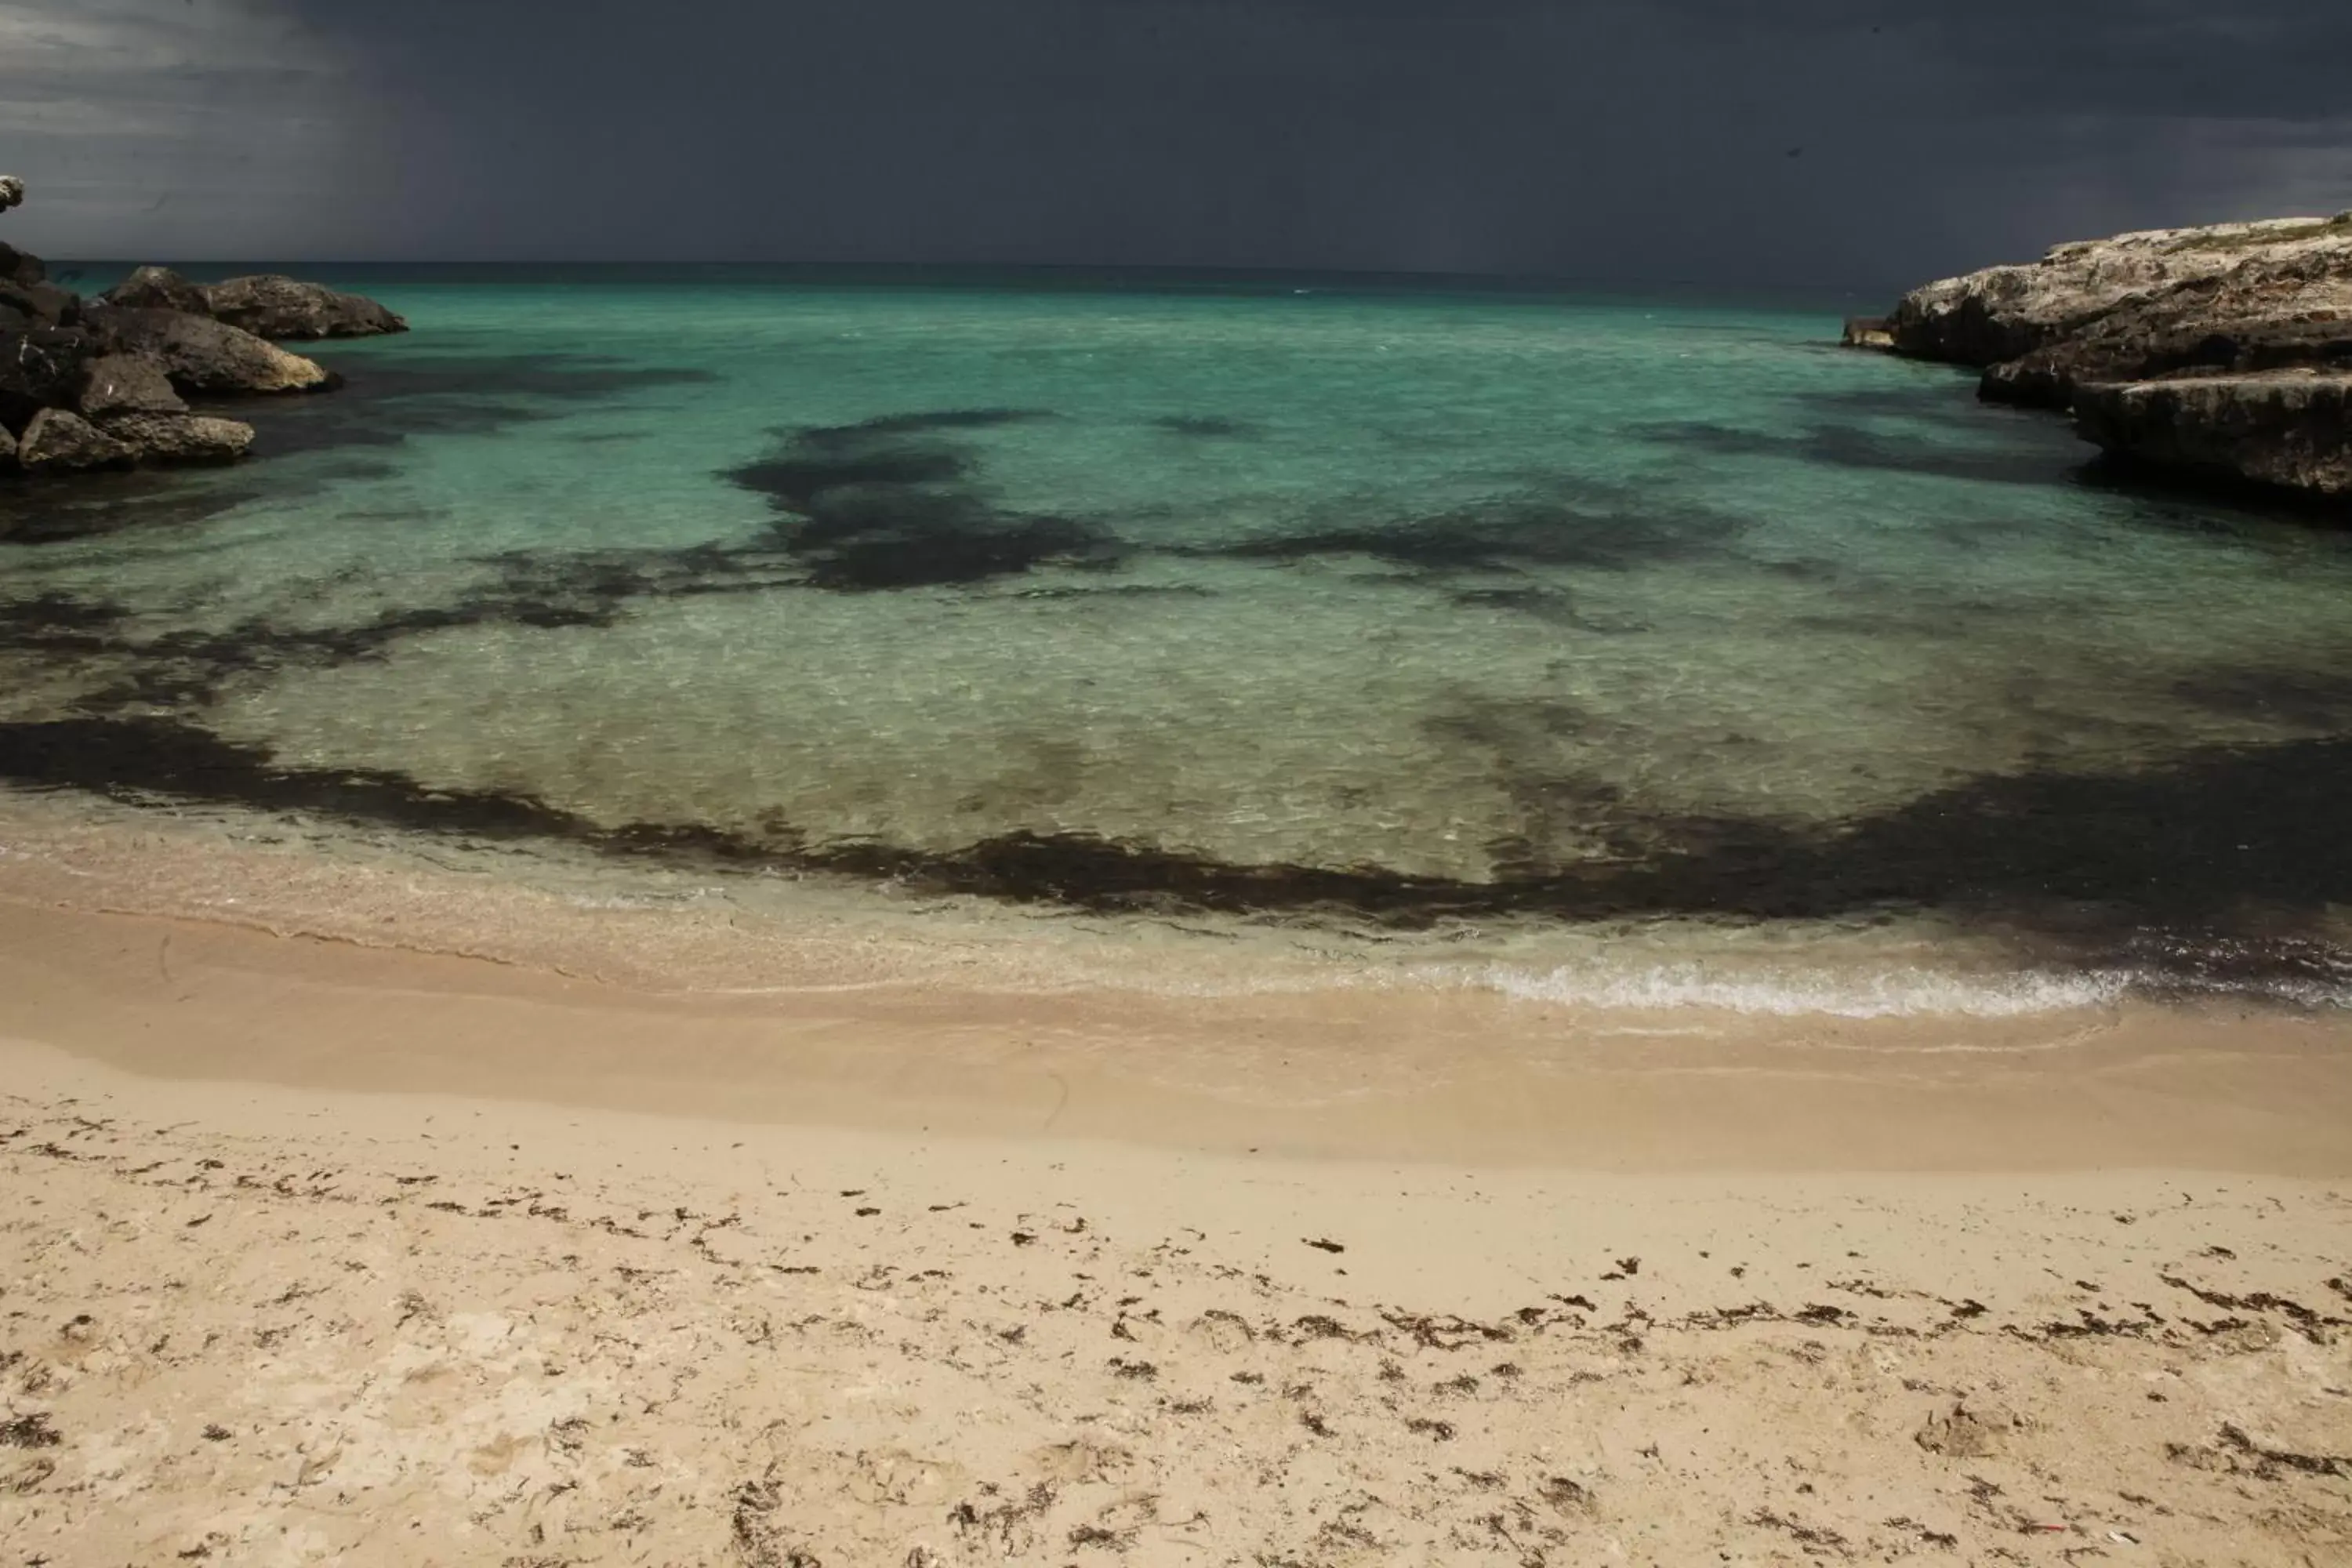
point(57, 441)
point(157, 289)
point(275, 307)
point(180, 437)
point(2284, 427)
point(201, 355)
point(7, 451)
point(119, 384)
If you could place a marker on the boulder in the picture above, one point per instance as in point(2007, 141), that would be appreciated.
point(1868, 332)
point(40, 368)
point(2291, 428)
point(201, 355)
point(274, 307)
point(41, 304)
point(156, 288)
point(119, 384)
point(21, 267)
point(12, 192)
point(59, 442)
point(179, 438)
point(7, 451)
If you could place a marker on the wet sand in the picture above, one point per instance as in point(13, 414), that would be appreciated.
point(319, 1251)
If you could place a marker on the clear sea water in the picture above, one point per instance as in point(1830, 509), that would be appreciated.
point(1629, 648)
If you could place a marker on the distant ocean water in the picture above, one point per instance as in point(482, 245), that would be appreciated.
point(1637, 652)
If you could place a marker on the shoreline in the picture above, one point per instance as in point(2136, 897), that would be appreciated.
point(332, 1252)
point(1433, 1076)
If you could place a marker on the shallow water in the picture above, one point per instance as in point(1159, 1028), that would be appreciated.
point(1634, 650)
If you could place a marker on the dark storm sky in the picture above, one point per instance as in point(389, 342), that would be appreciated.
point(1828, 141)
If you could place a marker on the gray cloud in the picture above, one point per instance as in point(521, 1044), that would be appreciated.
point(1811, 140)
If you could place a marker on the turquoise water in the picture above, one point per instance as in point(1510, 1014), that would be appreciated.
point(1279, 599)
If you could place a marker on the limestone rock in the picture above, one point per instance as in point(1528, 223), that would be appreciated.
point(2219, 349)
point(2005, 312)
point(40, 368)
point(157, 289)
point(274, 307)
point(59, 442)
point(2286, 428)
point(1868, 332)
point(180, 437)
point(201, 355)
point(119, 384)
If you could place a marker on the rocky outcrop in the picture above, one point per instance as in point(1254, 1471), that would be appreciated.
point(285, 309)
point(157, 289)
point(1868, 332)
point(40, 368)
point(2251, 325)
point(202, 356)
point(2284, 427)
point(118, 384)
point(12, 192)
point(36, 305)
point(179, 438)
point(59, 442)
point(106, 385)
point(20, 267)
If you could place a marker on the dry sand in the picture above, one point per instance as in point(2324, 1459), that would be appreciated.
point(313, 1253)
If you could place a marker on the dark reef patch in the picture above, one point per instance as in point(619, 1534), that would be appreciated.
point(1207, 427)
point(1561, 522)
point(50, 511)
point(1850, 446)
point(890, 503)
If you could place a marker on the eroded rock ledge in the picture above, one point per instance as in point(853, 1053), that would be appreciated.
point(2222, 351)
point(103, 383)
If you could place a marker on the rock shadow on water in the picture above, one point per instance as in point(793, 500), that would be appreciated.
point(384, 402)
point(386, 399)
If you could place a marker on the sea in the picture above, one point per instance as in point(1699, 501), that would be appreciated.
point(1626, 650)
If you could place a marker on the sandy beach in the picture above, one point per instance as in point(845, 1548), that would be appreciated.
point(323, 1252)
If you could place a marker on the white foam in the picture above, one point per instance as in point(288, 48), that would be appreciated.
point(1797, 992)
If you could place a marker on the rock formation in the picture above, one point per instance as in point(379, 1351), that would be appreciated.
point(12, 192)
point(2287, 427)
point(2224, 352)
point(57, 441)
point(204, 356)
point(157, 289)
point(267, 305)
point(282, 308)
point(104, 385)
